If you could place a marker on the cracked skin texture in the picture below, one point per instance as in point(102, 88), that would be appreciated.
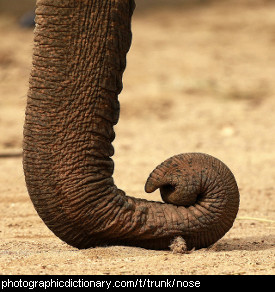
point(78, 61)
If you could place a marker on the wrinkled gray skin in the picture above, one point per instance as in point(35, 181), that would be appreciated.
point(79, 57)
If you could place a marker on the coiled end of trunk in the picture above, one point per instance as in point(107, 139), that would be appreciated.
point(205, 187)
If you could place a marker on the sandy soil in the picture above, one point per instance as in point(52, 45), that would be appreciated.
point(199, 78)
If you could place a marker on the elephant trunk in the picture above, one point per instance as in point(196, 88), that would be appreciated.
point(79, 57)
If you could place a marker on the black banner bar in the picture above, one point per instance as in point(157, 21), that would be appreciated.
point(47, 282)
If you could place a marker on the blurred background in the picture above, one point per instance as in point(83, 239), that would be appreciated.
point(200, 77)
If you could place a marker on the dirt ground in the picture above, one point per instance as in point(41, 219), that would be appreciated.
point(200, 78)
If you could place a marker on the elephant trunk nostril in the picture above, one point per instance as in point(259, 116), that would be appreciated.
point(166, 190)
point(178, 196)
point(167, 193)
point(179, 181)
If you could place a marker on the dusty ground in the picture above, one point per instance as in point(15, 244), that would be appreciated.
point(199, 78)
